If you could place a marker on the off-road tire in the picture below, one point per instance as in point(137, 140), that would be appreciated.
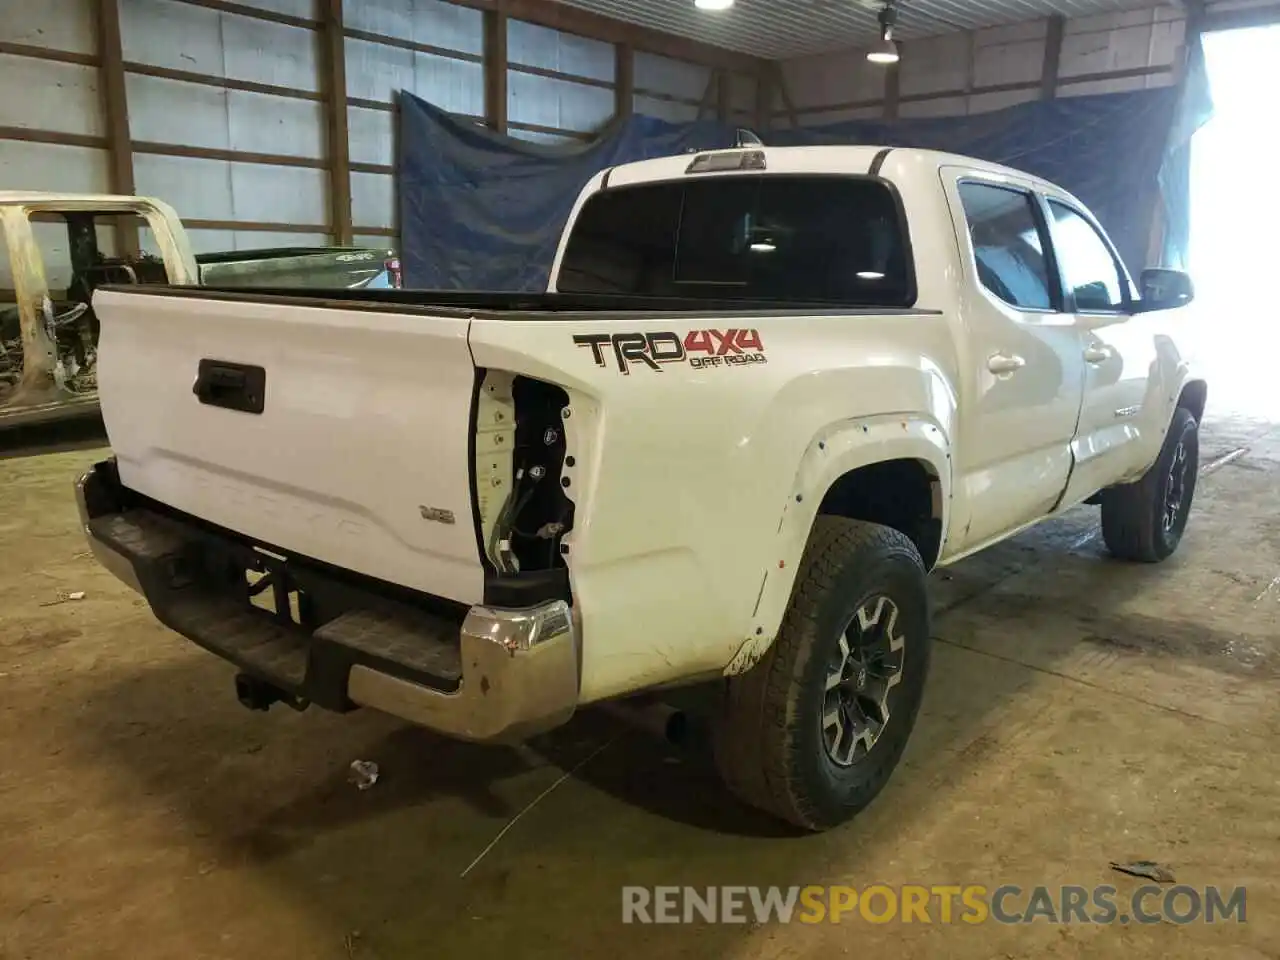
point(768, 736)
point(1133, 514)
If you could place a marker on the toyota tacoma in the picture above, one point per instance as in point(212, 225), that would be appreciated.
point(767, 391)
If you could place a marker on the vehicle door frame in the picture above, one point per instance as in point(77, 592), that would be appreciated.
point(42, 376)
point(31, 291)
point(1055, 319)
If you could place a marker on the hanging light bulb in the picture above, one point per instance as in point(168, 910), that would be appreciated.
point(886, 51)
point(713, 4)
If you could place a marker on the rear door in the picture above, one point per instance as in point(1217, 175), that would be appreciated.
point(337, 432)
point(1024, 379)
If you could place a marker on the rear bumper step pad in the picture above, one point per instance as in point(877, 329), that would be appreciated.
point(491, 675)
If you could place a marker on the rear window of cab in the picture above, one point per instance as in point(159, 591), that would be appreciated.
point(774, 237)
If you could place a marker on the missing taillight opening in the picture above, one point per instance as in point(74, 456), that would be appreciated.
point(524, 510)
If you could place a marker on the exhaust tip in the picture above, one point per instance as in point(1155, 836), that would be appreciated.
point(677, 729)
point(660, 719)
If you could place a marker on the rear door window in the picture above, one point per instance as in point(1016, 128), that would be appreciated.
point(773, 238)
point(1008, 249)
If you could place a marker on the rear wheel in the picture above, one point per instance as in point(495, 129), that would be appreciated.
point(812, 732)
point(1144, 521)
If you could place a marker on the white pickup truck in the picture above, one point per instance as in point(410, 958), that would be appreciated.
point(768, 391)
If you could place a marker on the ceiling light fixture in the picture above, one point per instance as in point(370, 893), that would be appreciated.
point(713, 4)
point(885, 51)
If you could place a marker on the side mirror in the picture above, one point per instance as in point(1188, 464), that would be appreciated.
point(1164, 290)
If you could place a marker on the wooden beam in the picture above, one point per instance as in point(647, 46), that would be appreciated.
point(971, 68)
point(708, 96)
point(48, 53)
point(893, 86)
point(672, 98)
point(957, 93)
point(554, 131)
point(257, 13)
point(334, 84)
point(225, 83)
point(1193, 37)
point(56, 137)
point(231, 156)
point(115, 109)
point(559, 75)
point(624, 80)
point(495, 69)
point(389, 41)
point(1052, 57)
point(780, 81)
point(382, 105)
point(386, 170)
point(764, 100)
point(724, 95)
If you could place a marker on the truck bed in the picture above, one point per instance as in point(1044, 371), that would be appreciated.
point(343, 425)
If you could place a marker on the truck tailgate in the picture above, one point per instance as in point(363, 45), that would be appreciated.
point(359, 456)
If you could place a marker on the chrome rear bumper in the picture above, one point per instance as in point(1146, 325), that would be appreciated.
point(498, 675)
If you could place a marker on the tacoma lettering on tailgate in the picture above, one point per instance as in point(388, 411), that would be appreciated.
point(698, 348)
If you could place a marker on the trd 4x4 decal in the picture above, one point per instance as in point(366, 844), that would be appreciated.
point(698, 348)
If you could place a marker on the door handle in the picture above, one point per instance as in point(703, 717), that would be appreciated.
point(1097, 354)
point(999, 363)
point(232, 386)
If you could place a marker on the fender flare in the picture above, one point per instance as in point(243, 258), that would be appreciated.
point(1179, 370)
point(1169, 395)
point(836, 450)
point(1187, 377)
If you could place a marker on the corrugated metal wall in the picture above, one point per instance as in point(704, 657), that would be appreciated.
point(231, 118)
point(207, 181)
point(441, 59)
point(228, 106)
point(557, 81)
point(974, 71)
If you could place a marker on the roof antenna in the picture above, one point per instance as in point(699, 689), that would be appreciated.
point(747, 138)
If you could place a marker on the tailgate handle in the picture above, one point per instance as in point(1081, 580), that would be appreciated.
point(232, 386)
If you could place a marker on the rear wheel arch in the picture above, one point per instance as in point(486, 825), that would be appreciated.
point(905, 494)
point(849, 472)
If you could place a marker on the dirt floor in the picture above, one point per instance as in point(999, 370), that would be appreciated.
point(1080, 711)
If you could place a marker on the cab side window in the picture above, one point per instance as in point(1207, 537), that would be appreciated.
point(1007, 247)
point(1089, 271)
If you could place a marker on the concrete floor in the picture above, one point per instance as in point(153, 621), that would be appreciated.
point(1079, 711)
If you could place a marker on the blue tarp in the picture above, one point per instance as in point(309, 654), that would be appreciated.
point(482, 211)
point(1193, 111)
